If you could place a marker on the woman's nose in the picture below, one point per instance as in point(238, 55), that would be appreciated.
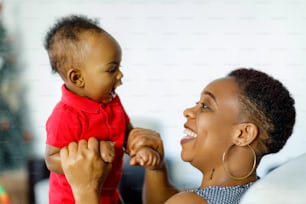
point(189, 112)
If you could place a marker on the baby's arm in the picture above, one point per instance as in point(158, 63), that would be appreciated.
point(147, 157)
point(53, 160)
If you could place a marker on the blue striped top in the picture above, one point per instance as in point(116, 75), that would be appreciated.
point(222, 194)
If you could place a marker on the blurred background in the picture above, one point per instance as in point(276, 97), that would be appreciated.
point(171, 50)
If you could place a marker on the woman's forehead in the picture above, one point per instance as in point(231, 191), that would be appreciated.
point(222, 87)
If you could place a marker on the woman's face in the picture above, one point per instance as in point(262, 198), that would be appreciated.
point(211, 123)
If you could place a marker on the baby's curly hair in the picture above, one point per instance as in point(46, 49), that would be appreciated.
point(268, 104)
point(64, 44)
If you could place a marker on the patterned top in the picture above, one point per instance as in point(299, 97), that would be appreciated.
point(222, 194)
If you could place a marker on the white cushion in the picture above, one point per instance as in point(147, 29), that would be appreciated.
point(285, 184)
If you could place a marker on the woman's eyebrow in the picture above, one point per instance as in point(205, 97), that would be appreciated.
point(211, 95)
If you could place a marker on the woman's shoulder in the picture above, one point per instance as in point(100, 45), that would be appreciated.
point(186, 197)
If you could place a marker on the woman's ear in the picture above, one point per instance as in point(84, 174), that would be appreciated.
point(245, 134)
point(75, 77)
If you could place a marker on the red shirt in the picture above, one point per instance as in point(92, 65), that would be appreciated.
point(75, 118)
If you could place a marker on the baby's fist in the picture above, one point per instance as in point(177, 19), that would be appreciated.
point(147, 157)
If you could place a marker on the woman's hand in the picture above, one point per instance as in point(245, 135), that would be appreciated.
point(85, 169)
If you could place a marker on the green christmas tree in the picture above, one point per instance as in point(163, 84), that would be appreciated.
point(15, 140)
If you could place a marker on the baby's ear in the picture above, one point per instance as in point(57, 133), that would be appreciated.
point(75, 77)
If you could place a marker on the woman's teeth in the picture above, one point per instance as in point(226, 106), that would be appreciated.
point(188, 132)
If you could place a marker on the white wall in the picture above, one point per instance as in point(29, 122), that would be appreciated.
point(171, 50)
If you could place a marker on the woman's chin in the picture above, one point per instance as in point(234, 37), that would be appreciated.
point(185, 157)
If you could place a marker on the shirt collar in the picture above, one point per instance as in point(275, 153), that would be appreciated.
point(79, 102)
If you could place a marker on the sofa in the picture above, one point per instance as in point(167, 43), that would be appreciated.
point(284, 185)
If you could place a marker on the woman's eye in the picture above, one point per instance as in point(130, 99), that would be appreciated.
point(204, 106)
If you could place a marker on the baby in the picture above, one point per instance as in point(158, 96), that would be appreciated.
point(87, 58)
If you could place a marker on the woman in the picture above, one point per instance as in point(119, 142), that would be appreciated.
point(238, 119)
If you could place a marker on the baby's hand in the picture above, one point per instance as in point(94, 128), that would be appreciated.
point(139, 138)
point(107, 151)
point(146, 157)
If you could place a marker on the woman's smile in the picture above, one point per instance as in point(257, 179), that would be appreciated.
point(189, 136)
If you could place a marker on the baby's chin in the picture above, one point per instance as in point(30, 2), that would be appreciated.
point(109, 98)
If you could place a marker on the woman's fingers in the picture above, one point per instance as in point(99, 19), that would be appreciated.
point(72, 148)
point(64, 153)
point(107, 151)
point(93, 145)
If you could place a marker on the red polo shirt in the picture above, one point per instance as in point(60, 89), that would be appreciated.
point(75, 118)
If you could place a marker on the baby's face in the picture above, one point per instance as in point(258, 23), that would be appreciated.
point(100, 69)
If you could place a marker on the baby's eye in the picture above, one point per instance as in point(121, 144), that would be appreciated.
point(113, 68)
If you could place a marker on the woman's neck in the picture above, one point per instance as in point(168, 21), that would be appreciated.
point(218, 177)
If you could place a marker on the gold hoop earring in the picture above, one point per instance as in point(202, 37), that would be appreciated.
point(227, 170)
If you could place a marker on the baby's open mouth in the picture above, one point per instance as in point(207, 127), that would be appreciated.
point(113, 93)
